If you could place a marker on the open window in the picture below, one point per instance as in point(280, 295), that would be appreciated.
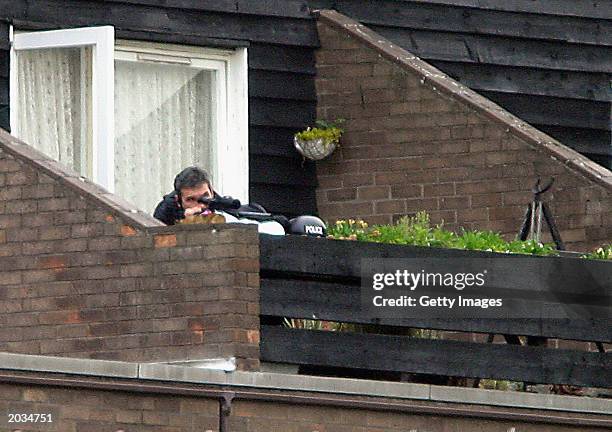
point(130, 115)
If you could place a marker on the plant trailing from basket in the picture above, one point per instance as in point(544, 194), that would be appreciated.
point(320, 141)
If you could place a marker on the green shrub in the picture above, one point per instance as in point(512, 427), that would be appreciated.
point(418, 231)
point(603, 253)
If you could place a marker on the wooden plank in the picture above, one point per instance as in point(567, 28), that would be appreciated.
point(180, 38)
point(576, 85)
point(282, 8)
point(282, 58)
point(281, 113)
point(311, 256)
point(479, 21)
point(437, 357)
point(430, 45)
point(4, 63)
point(5, 118)
point(565, 112)
point(4, 91)
point(282, 85)
point(592, 141)
point(340, 302)
point(66, 13)
point(321, 4)
point(4, 36)
point(282, 171)
point(338, 260)
point(580, 8)
point(273, 141)
point(290, 201)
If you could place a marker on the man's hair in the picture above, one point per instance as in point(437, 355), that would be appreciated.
point(191, 177)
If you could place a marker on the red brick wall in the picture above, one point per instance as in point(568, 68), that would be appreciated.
point(87, 410)
point(417, 141)
point(90, 410)
point(263, 417)
point(82, 276)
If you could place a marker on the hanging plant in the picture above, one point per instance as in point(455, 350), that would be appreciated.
point(316, 143)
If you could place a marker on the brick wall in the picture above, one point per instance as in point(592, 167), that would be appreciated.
point(84, 275)
point(96, 410)
point(88, 410)
point(263, 417)
point(417, 140)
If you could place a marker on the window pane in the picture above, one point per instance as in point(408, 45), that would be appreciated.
point(54, 104)
point(164, 121)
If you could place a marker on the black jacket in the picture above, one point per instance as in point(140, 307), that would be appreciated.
point(168, 210)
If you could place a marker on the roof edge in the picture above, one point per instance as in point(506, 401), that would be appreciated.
point(178, 376)
point(442, 83)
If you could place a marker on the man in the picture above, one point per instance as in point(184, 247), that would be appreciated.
point(194, 183)
point(189, 185)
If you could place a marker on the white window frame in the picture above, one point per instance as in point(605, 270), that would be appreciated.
point(102, 41)
point(232, 161)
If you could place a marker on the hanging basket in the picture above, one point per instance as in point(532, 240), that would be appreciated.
point(314, 149)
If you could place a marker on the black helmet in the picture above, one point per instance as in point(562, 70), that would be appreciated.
point(307, 225)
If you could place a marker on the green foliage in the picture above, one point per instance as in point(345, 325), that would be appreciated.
point(330, 132)
point(418, 231)
point(312, 324)
point(603, 253)
point(504, 385)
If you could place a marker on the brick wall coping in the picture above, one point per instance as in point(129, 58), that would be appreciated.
point(443, 84)
point(88, 190)
point(275, 381)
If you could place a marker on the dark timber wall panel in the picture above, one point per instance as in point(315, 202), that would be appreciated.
point(4, 76)
point(531, 81)
point(462, 20)
point(281, 38)
point(580, 8)
point(549, 63)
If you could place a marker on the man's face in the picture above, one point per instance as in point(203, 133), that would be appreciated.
point(190, 196)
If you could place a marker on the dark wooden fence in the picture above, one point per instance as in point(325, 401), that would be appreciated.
point(320, 278)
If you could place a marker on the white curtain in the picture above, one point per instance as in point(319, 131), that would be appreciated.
point(54, 103)
point(164, 122)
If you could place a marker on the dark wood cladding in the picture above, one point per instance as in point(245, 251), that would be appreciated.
point(281, 85)
point(313, 278)
point(592, 141)
point(580, 8)
point(529, 81)
point(436, 357)
point(476, 48)
point(286, 199)
point(575, 29)
point(554, 111)
point(281, 8)
point(282, 58)
point(519, 51)
point(66, 13)
point(335, 301)
point(4, 76)
point(281, 38)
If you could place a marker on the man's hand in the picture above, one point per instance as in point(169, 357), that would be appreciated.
point(192, 211)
